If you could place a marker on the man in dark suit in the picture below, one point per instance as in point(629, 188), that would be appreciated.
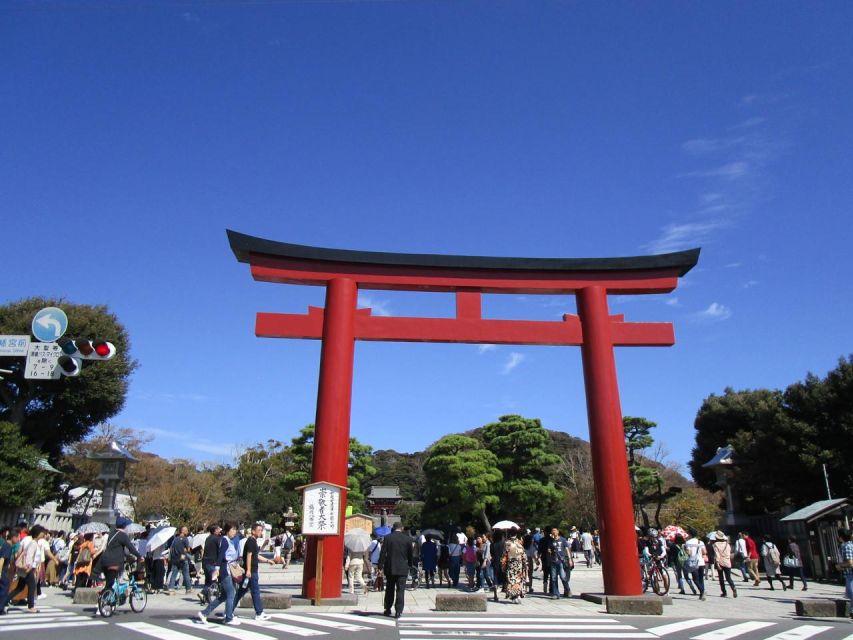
point(395, 560)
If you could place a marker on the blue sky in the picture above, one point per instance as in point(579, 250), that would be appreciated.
point(135, 133)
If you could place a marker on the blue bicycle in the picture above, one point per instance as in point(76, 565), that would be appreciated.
point(120, 593)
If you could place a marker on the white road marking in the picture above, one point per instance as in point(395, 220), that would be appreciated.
point(666, 629)
point(733, 631)
point(800, 633)
point(52, 625)
point(526, 634)
point(343, 626)
point(515, 627)
point(382, 622)
point(225, 630)
point(508, 620)
point(286, 628)
point(156, 632)
point(32, 617)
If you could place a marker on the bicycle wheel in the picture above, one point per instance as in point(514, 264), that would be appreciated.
point(660, 580)
point(138, 600)
point(107, 603)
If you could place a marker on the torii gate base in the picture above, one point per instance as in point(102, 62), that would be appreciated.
point(340, 324)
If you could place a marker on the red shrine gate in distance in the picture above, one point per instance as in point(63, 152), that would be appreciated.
point(340, 324)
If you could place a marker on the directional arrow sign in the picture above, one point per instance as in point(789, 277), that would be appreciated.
point(50, 324)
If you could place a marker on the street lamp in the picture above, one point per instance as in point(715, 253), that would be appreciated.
point(114, 460)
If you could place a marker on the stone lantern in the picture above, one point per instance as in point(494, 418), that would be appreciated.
point(722, 463)
point(289, 518)
point(114, 460)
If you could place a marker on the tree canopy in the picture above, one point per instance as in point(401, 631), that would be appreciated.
point(23, 482)
point(54, 413)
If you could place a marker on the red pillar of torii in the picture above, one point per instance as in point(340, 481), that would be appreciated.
point(340, 324)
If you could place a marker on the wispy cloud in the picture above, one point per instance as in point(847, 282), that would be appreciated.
point(715, 312)
point(675, 237)
point(512, 362)
point(750, 283)
point(193, 442)
point(189, 16)
point(485, 348)
point(164, 396)
point(748, 123)
point(730, 171)
point(734, 265)
point(377, 307)
point(672, 302)
point(705, 146)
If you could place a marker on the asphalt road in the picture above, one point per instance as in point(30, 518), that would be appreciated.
point(74, 623)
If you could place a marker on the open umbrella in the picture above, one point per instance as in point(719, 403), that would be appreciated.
point(159, 536)
point(505, 524)
point(133, 528)
point(433, 533)
point(94, 527)
point(357, 540)
point(198, 540)
point(674, 530)
point(382, 531)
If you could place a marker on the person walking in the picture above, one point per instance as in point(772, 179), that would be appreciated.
point(226, 558)
point(587, 548)
point(514, 563)
point(545, 562)
point(723, 562)
point(455, 549)
point(792, 564)
point(287, 541)
point(741, 557)
point(429, 558)
point(697, 559)
point(560, 563)
point(27, 568)
point(752, 558)
point(209, 560)
point(469, 557)
point(497, 549)
point(251, 561)
point(396, 559)
point(8, 539)
point(772, 562)
point(355, 568)
point(179, 556)
point(374, 550)
point(677, 555)
point(845, 564)
point(531, 550)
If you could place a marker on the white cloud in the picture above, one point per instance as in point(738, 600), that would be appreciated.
point(730, 171)
point(750, 283)
point(170, 397)
point(715, 312)
point(193, 442)
point(747, 124)
point(683, 236)
point(189, 16)
point(483, 348)
point(377, 307)
point(512, 362)
point(705, 146)
point(672, 302)
point(734, 265)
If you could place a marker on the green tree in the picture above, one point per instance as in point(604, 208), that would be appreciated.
point(260, 481)
point(22, 481)
point(527, 463)
point(361, 469)
point(54, 413)
point(462, 480)
point(647, 483)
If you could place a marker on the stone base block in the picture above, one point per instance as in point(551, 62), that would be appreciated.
point(635, 605)
point(601, 598)
point(460, 602)
point(85, 595)
point(344, 600)
point(269, 601)
point(822, 608)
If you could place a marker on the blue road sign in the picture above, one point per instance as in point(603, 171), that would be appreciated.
point(50, 324)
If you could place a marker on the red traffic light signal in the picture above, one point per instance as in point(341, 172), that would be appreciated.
point(83, 348)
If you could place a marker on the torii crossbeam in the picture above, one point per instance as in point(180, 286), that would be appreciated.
point(340, 324)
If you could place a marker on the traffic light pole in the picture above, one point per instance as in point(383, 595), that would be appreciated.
point(331, 432)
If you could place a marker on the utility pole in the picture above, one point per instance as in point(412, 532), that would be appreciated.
point(826, 478)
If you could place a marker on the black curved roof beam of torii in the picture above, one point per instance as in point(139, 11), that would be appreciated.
point(273, 261)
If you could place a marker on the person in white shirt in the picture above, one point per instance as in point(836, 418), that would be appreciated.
point(697, 558)
point(742, 557)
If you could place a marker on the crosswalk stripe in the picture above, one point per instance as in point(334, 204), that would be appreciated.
point(735, 630)
point(19, 620)
point(52, 625)
point(286, 628)
point(225, 630)
point(666, 629)
point(156, 632)
point(515, 627)
point(343, 626)
point(800, 633)
point(510, 620)
point(382, 622)
point(531, 634)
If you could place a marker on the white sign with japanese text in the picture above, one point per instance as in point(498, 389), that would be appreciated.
point(321, 508)
point(42, 359)
point(14, 345)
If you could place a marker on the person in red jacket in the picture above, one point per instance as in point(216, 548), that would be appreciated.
point(751, 557)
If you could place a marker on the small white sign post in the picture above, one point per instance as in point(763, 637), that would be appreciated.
point(14, 345)
point(321, 517)
point(42, 361)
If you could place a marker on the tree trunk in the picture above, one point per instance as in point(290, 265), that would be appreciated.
point(486, 520)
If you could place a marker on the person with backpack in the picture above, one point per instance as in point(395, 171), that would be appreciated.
point(85, 554)
point(113, 557)
point(697, 559)
point(723, 562)
point(469, 557)
point(286, 547)
point(677, 556)
point(179, 556)
point(772, 561)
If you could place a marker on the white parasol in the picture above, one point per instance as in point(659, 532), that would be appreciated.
point(134, 528)
point(357, 540)
point(159, 536)
point(198, 540)
point(505, 524)
point(94, 527)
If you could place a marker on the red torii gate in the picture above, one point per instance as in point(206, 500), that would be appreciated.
point(340, 324)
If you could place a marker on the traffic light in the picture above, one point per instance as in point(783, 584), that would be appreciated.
point(69, 365)
point(87, 349)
